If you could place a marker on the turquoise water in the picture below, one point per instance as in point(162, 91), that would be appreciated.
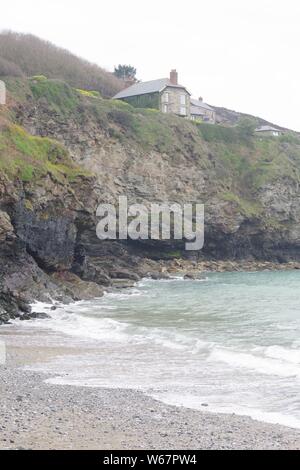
point(231, 342)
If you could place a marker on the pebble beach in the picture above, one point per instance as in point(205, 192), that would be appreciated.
point(36, 415)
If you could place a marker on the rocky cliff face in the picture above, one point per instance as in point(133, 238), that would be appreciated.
point(250, 189)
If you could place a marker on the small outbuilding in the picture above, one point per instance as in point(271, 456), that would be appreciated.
point(268, 131)
point(202, 111)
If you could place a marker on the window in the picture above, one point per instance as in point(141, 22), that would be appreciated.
point(165, 108)
point(182, 100)
point(166, 97)
point(182, 110)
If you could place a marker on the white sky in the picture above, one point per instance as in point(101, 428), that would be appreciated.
point(241, 54)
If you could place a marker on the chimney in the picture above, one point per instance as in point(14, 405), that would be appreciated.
point(174, 77)
point(201, 99)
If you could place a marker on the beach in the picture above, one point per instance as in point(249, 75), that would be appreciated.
point(39, 415)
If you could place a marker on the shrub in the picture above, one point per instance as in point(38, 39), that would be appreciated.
point(59, 95)
point(122, 118)
point(90, 94)
point(39, 78)
point(218, 133)
point(9, 69)
point(290, 138)
point(246, 128)
point(32, 56)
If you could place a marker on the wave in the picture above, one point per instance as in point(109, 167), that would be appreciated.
point(72, 321)
point(85, 320)
point(264, 365)
point(234, 350)
point(195, 402)
point(288, 355)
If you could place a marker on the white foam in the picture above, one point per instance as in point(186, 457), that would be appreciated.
point(66, 321)
point(192, 345)
point(195, 402)
point(257, 363)
point(288, 355)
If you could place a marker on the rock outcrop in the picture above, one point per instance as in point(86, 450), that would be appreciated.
point(100, 150)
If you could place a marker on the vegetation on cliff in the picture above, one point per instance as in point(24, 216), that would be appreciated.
point(30, 158)
point(240, 163)
point(64, 149)
point(25, 55)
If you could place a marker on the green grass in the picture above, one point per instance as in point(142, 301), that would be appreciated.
point(238, 166)
point(59, 96)
point(89, 94)
point(39, 78)
point(217, 133)
point(245, 164)
point(248, 208)
point(31, 158)
point(146, 128)
point(18, 88)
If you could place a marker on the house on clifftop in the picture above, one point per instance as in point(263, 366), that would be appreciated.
point(202, 111)
point(164, 94)
point(2, 93)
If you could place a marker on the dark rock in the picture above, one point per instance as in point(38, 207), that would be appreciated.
point(24, 306)
point(190, 276)
point(124, 274)
point(50, 238)
point(154, 276)
point(40, 315)
point(122, 283)
point(48, 242)
point(159, 276)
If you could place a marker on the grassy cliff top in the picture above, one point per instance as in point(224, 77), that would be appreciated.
point(239, 163)
point(28, 158)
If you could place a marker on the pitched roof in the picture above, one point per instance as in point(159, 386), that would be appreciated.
point(196, 111)
point(200, 104)
point(144, 88)
point(267, 129)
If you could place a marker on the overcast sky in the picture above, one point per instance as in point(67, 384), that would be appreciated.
point(241, 54)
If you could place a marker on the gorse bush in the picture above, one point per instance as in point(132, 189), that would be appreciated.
point(39, 78)
point(89, 93)
point(25, 54)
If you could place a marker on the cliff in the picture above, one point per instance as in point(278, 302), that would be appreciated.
point(63, 151)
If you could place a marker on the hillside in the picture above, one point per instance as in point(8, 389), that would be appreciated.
point(63, 151)
point(229, 117)
point(26, 55)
